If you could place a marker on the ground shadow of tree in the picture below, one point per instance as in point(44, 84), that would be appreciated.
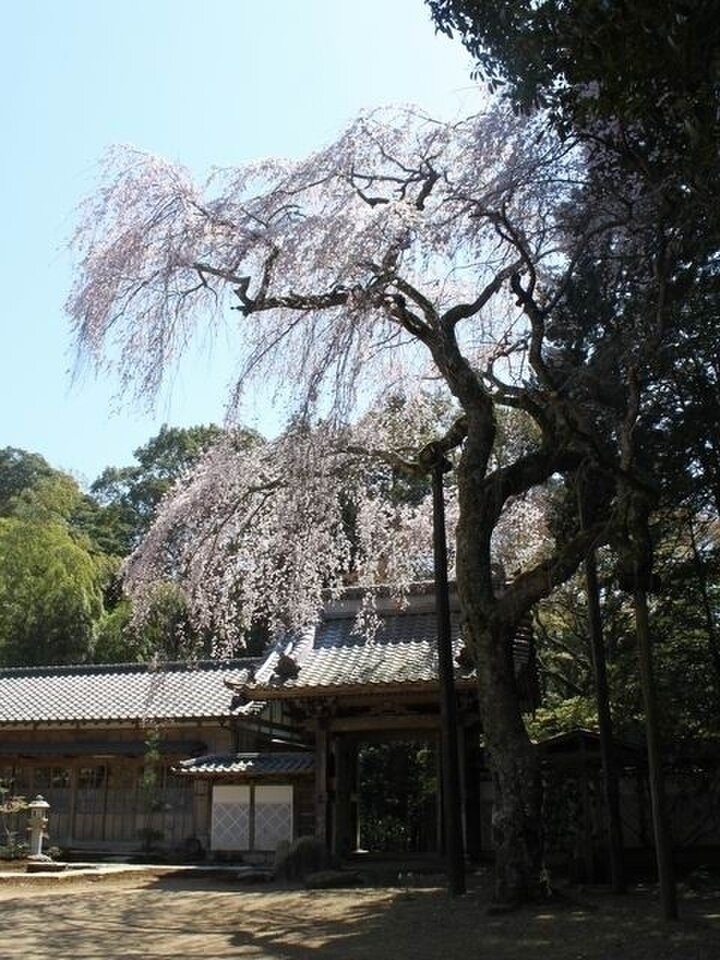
point(177, 917)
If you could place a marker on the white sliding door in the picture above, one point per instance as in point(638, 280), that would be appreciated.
point(273, 816)
point(230, 827)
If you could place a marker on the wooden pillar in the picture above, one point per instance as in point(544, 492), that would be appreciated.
point(472, 798)
point(343, 841)
point(104, 811)
point(354, 793)
point(251, 816)
point(439, 821)
point(611, 790)
point(587, 818)
point(656, 782)
point(73, 803)
point(321, 779)
point(202, 811)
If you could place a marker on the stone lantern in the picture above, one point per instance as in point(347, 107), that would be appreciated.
point(37, 827)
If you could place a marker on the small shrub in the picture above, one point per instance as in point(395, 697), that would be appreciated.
point(150, 839)
point(294, 861)
point(13, 848)
point(13, 809)
point(333, 879)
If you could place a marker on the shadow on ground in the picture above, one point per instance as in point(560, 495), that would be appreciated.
point(189, 918)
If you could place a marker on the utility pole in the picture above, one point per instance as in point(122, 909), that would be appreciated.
point(452, 806)
point(602, 697)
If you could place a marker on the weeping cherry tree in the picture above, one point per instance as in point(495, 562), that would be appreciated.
point(409, 254)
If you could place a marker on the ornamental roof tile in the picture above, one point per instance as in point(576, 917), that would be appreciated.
point(121, 692)
point(246, 764)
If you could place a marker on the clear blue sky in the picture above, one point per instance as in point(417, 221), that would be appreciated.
point(217, 82)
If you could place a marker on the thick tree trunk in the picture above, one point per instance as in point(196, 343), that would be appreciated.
point(512, 758)
point(516, 829)
point(452, 799)
point(516, 826)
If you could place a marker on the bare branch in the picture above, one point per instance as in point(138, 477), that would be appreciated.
point(534, 584)
point(425, 459)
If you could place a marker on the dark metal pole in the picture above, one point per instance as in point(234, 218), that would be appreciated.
point(663, 842)
point(611, 786)
point(452, 815)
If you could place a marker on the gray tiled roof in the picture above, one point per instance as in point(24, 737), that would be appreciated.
point(335, 655)
point(247, 764)
point(99, 746)
point(102, 693)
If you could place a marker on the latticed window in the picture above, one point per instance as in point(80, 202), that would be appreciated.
point(251, 817)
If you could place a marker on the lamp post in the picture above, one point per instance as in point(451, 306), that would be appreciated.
point(452, 811)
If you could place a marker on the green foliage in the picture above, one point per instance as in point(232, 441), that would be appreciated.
point(52, 499)
point(113, 640)
point(684, 626)
point(10, 803)
point(563, 716)
point(150, 780)
point(652, 64)
point(60, 594)
point(398, 791)
point(51, 593)
point(14, 848)
point(685, 621)
point(164, 634)
point(129, 496)
point(30, 489)
point(52, 575)
point(19, 470)
point(563, 645)
point(13, 810)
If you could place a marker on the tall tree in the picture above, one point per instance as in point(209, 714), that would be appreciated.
point(51, 594)
point(19, 471)
point(407, 248)
point(638, 84)
point(52, 576)
point(641, 76)
point(129, 496)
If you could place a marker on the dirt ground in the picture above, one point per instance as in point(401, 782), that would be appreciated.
point(183, 917)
